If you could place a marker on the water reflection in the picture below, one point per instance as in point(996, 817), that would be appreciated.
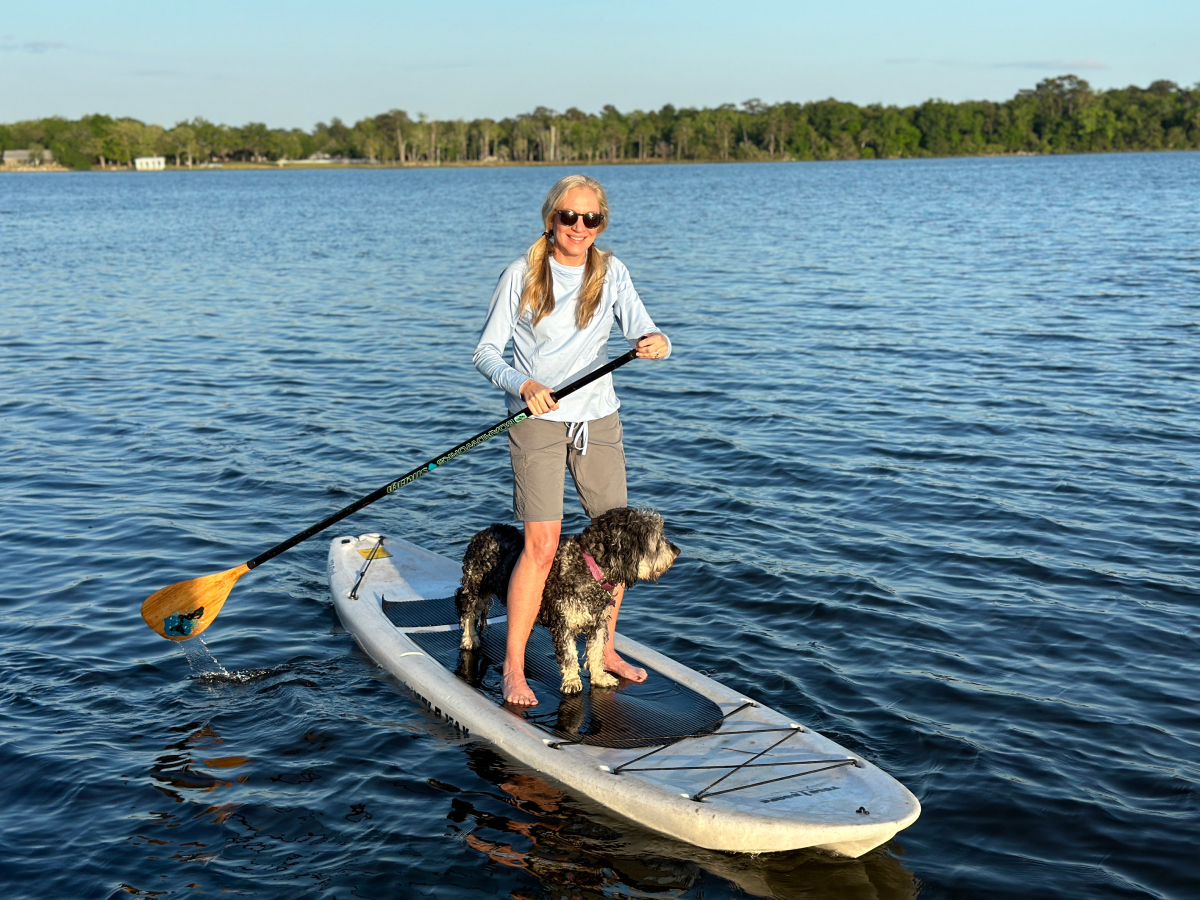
point(177, 769)
point(180, 772)
point(572, 850)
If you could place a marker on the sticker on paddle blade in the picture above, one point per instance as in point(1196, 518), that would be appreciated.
point(182, 623)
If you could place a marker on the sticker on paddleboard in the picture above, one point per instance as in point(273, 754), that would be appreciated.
point(374, 553)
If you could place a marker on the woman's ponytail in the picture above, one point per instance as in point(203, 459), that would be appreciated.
point(538, 293)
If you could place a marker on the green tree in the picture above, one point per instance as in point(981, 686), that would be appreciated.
point(128, 139)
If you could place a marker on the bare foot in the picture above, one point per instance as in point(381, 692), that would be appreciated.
point(516, 690)
point(622, 669)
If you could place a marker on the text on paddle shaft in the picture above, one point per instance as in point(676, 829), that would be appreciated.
point(457, 451)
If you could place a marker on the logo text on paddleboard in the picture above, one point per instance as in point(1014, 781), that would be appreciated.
point(807, 793)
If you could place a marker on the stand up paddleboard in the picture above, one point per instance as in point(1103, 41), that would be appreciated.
point(681, 754)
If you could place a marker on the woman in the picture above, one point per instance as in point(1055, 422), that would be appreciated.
point(557, 306)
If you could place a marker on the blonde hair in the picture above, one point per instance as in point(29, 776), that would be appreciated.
point(538, 293)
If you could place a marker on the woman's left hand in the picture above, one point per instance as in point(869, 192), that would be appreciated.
point(652, 346)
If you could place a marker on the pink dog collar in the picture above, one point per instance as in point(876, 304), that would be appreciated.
point(597, 573)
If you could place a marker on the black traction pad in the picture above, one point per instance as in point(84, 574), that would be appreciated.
point(631, 715)
point(424, 613)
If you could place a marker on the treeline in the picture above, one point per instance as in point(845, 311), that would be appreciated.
point(1060, 115)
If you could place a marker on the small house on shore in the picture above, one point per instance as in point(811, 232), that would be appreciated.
point(27, 157)
point(150, 163)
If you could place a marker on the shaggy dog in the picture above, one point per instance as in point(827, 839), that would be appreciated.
point(625, 544)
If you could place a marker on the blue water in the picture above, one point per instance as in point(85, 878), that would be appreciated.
point(928, 441)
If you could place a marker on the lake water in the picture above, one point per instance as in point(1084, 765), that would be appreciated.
point(928, 441)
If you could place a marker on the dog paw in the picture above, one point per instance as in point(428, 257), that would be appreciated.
point(605, 680)
point(469, 642)
point(571, 684)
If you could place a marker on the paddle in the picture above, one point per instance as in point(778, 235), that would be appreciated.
point(183, 610)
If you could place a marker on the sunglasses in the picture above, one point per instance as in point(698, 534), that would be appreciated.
point(568, 217)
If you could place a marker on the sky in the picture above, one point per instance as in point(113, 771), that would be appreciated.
point(297, 63)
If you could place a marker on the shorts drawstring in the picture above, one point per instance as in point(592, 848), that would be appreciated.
point(577, 433)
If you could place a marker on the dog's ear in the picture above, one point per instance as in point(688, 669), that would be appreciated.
point(630, 549)
point(613, 541)
point(591, 542)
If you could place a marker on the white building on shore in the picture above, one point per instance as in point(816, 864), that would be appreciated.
point(150, 163)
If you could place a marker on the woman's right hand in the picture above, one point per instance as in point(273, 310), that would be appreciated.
point(537, 398)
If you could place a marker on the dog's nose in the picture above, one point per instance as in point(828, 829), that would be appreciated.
point(675, 550)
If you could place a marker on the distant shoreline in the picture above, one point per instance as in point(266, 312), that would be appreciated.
point(306, 166)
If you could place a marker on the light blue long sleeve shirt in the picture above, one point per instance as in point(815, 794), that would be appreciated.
point(554, 352)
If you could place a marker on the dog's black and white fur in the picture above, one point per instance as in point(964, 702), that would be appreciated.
point(628, 545)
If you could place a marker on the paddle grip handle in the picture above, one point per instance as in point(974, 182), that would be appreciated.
point(421, 471)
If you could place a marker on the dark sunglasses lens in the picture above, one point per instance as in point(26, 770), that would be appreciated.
point(568, 218)
point(593, 220)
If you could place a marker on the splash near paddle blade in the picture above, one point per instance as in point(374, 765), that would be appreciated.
point(183, 610)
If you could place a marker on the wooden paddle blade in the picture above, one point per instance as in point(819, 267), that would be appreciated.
point(183, 610)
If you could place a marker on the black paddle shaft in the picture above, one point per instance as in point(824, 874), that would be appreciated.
point(434, 463)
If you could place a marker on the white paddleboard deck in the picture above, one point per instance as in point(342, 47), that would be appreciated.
point(682, 755)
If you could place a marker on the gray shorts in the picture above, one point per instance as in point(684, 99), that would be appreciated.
point(541, 452)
